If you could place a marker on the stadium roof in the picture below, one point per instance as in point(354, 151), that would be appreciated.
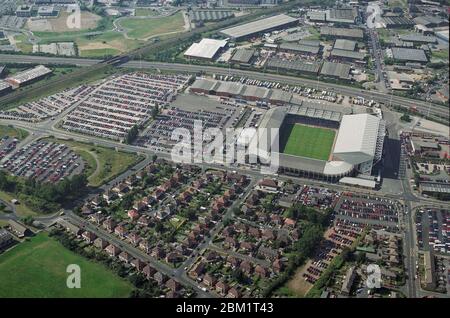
point(339, 70)
point(348, 54)
point(206, 48)
point(403, 54)
point(243, 55)
point(357, 138)
point(342, 32)
point(299, 48)
point(258, 26)
point(343, 44)
point(299, 66)
point(358, 182)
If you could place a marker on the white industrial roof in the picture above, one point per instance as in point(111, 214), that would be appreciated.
point(206, 48)
point(258, 26)
point(357, 138)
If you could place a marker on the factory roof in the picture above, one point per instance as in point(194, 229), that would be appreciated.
point(348, 54)
point(257, 26)
point(339, 70)
point(299, 48)
point(243, 55)
point(343, 44)
point(418, 38)
point(404, 54)
point(342, 32)
point(299, 65)
point(206, 48)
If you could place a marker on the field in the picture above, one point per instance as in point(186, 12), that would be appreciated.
point(144, 12)
point(144, 29)
point(22, 210)
point(311, 142)
point(37, 269)
point(13, 132)
point(103, 163)
point(64, 23)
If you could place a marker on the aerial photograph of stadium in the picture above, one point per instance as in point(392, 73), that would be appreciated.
point(203, 154)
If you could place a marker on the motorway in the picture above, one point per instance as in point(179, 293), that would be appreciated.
point(434, 111)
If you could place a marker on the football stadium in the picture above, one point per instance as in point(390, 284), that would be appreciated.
point(325, 142)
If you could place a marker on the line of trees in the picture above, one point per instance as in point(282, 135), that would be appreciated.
point(44, 197)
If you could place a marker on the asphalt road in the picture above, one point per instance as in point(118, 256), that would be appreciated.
point(434, 110)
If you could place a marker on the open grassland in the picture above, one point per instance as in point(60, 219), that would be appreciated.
point(311, 142)
point(146, 28)
point(37, 269)
point(13, 132)
point(102, 163)
point(441, 54)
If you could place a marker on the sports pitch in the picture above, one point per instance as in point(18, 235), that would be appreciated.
point(311, 142)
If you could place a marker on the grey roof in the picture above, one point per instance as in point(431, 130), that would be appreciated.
point(316, 15)
point(417, 38)
point(299, 48)
point(243, 55)
point(301, 163)
point(438, 187)
point(393, 21)
point(259, 92)
point(342, 32)
point(299, 66)
point(428, 20)
point(403, 54)
point(393, 41)
point(316, 110)
point(4, 85)
point(339, 70)
point(204, 84)
point(280, 96)
point(210, 15)
point(348, 54)
point(343, 44)
point(273, 118)
point(342, 15)
point(310, 42)
point(230, 88)
point(258, 26)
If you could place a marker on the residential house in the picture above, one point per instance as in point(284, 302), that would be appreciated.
point(89, 236)
point(100, 243)
point(112, 250)
point(125, 257)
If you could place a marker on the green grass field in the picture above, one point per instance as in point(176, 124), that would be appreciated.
point(110, 162)
point(311, 142)
point(145, 28)
point(37, 269)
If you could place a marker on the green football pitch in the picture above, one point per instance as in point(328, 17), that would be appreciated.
point(311, 142)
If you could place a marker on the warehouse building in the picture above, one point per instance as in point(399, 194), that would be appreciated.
point(418, 38)
point(409, 55)
point(243, 56)
point(299, 48)
point(206, 49)
point(431, 21)
point(397, 22)
point(28, 76)
point(344, 33)
point(298, 66)
point(342, 15)
point(336, 70)
point(257, 27)
point(344, 44)
point(210, 15)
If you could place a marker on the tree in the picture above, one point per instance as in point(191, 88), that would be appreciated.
point(132, 134)
point(155, 111)
point(154, 158)
point(406, 118)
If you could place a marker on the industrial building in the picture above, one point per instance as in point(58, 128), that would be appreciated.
point(243, 56)
point(418, 38)
point(336, 70)
point(344, 44)
point(299, 48)
point(334, 15)
point(344, 33)
point(298, 66)
point(409, 55)
point(397, 22)
point(206, 49)
point(259, 26)
point(210, 15)
point(345, 55)
point(28, 76)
